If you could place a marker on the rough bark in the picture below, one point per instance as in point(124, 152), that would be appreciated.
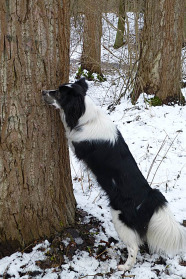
point(106, 6)
point(36, 197)
point(91, 54)
point(159, 68)
point(184, 32)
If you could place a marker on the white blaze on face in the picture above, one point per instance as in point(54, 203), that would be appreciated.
point(53, 101)
point(69, 85)
point(56, 105)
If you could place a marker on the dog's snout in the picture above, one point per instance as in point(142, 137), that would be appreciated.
point(44, 92)
point(48, 92)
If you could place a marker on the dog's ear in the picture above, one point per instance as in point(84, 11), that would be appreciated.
point(64, 88)
point(83, 84)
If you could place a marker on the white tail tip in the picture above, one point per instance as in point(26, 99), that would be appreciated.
point(165, 234)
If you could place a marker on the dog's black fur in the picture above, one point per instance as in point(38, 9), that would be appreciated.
point(118, 174)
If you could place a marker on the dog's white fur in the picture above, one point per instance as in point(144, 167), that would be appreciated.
point(129, 237)
point(93, 124)
point(164, 234)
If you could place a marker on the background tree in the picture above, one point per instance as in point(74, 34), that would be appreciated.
point(91, 54)
point(36, 197)
point(159, 68)
point(119, 41)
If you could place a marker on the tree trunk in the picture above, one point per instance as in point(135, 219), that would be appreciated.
point(36, 196)
point(119, 41)
point(184, 32)
point(159, 68)
point(91, 55)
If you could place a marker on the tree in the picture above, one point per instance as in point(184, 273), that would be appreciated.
point(36, 197)
point(91, 54)
point(159, 68)
point(119, 41)
point(125, 6)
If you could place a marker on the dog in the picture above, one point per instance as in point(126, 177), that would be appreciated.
point(139, 213)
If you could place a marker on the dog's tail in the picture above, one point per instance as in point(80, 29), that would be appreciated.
point(165, 234)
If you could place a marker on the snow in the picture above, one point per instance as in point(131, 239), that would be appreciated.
point(156, 137)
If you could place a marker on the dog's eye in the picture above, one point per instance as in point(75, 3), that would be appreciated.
point(58, 95)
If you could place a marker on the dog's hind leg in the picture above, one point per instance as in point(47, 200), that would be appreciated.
point(131, 260)
point(129, 237)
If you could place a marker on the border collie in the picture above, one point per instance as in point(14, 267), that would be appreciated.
point(139, 212)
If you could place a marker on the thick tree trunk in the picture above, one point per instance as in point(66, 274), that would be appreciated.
point(159, 69)
point(36, 197)
point(91, 55)
point(184, 32)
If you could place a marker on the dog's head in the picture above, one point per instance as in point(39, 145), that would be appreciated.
point(69, 98)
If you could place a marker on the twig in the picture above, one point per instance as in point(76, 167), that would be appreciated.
point(6, 271)
point(179, 174)
point(96, 197)
point(129, 276)
point(108, 21)
point(130, 80)
point(112, 53)
point(73, 168)
point(89, 180)
point(101, 254)
point(92, 275)
point(26, 248)
point(164, 157)
point(163, 143)
point(108, 273)
point(82, 176)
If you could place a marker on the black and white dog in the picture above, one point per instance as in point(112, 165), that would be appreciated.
point(139, 212)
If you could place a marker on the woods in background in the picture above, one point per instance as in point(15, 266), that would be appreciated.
point(155, 65)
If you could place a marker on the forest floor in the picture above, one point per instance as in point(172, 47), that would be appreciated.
point(91, 248)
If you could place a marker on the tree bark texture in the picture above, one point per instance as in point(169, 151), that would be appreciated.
point(36, 196)
point(159, 68)
point(91, 54)
point(184, 31)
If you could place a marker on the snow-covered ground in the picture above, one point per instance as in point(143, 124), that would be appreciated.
point(156, 137)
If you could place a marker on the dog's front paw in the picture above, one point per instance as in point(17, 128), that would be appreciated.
point(124, 267)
